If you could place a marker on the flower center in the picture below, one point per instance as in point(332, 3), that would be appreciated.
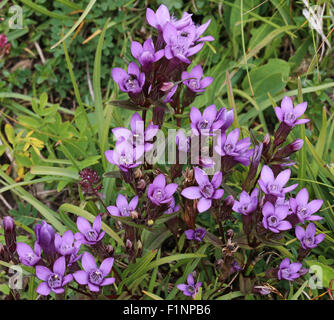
point(309, 241)
point(290, 117)
point(131, 83)
point(194, 84)
point(55, 280)
point(228, 147)
point(285, 273)
point(124, 160)
point(96, 277)
point(207, 190)
point(91, 235)
point(158, 194)
point(66, 247)
point(125, 211)
point(302, 211)
point(272, 221)
point(30, 257)
point(203, 124)
point(274, 188)
point(191, 289)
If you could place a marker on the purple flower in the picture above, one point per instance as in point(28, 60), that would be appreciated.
point(123, 208)
point(303, 209)
point(235, 267)
point(206, 190)
point(225, 117)
point(289, 271)
point(262, 290)
point(182, 141)
point(53, 280)
point(228, 145)
point(27, 256)
point(92, 275)
point(125, 156)
point(208, 122)
point(197, 234)
point(159, 193)
point(65, 244)
point(88, 234)
point(179, 43)
point(275, 187)
point(273, 217)
point(136, 136)
point(172, 207)
point(45, 236)
point(247, 203)
point(307, 238)
point(3, 40)
point(190, 288)
point(193, 79)
point(288, 114)
point(131, 81)
point(145, 53)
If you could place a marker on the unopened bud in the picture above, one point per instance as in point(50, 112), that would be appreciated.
point(110, 249)
point(166, 86)
point(289, 149)
point(229, 234)
point(139, 245)
point(134, 214)
point(129, 244)
point(141, 184)
point(10, 234)
point(138, 174)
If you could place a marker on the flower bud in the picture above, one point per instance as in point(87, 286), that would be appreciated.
point(134, 215)
point(110, 249)
point(10, 234)
point(129, 244)
point(45, 236)
point(289, 149)
point(141, 184)
point(229, 234)
point(138, 174)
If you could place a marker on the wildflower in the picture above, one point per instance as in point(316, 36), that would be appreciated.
point(92, 275)
point(45, 236)
point(65, 244)
point(307, 238)
point(193, 79)
point(145, 54)
point(28, 256)
point(252, 173)
point(53, 280)
point(289, 271)
point(172, 207)
point(137, 136)
point(247, 203)
point(88, 234)
point(131, 81)
point(289, 149)
point(159, 193)
point(206, 191)
point(229, 146)
point(235, 267)
point(303, 209)
point(288, 114)
point(3, 40)
point(123, 208)
point(275, 186)
point(10, 233)
point(262, 290)
point(197, 234)
point(190, 288)
point(90, 180)
point(273, 217)
point(225, 117)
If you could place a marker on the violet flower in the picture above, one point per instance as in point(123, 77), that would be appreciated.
point(28, 256)
point(123, 208)
point(145, 54)
point(189, 288)
point(92, 275)
point(193, 79)
point(206, 191)
point(247, 203)
point(288, 114)
point(226, 117)
point(89, 234)
point(273, 217)
point(159, 193)
point(275, 186)
point(125, 156)
point(307, 238)
point(289, 271)
point(131, 81)
point(53, 280)
point(196, 235)
point(65, 244)
point(45, 236)
point(137, 136)
point(172, 207)
point(228, 145)
point(304, 209)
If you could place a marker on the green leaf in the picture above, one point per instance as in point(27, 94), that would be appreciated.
point(55, 171)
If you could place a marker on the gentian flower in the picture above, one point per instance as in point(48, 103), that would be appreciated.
point(145, 53)
point(190, 288)
point(65, 244)
point(303, 209)
point(272, 186)
point(123, 208)
point(228, 145)
point(207, 122)
point(131, 81)
point(28, 256)
point(172, 207)
point(307, 238)
point(247, 203)
point(45, 236)
point(125, 156)
point(197, 234)
point(10, 233)
point(193, 79)
point(92, 275)
point(235, 267)
point(136, 136)
point(88, 234)
point(225, 117)
point(53, 280)
point(262, 290)
point(288, 114)
point(273, 217)
point(206, 191)
point(289, 271)
point(159, 193)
